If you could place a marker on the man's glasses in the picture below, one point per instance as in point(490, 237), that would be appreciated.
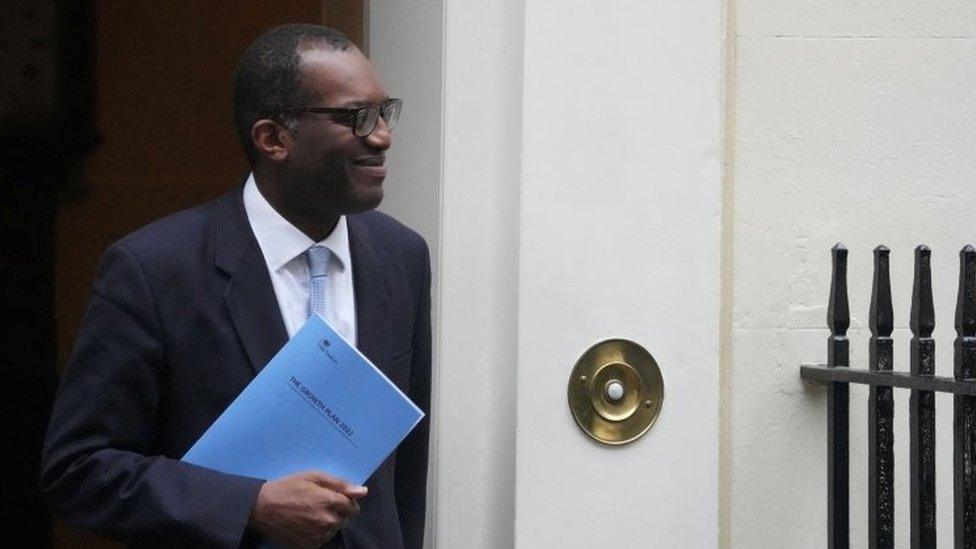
point(363, 119)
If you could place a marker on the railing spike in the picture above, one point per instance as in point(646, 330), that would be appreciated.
point(922, 320)
point(838, 312)
point(881, 316)
point(838, 406)
point(964, 407)
point(921, 406)
point(966, 300)
point(881, 406)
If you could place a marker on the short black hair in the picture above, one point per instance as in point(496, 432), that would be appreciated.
point(268, 77)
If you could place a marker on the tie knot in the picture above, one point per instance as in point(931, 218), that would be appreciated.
point(318, 260)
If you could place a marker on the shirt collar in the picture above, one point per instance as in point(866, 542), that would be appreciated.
point(280, 241)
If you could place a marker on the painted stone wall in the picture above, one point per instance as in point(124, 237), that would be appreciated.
point(853, 122)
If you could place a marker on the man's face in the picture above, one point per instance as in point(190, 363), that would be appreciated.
point(329, 168)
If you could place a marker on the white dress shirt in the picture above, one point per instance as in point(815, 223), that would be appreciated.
point(283, 247)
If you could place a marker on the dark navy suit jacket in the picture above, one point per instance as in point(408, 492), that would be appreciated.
point(182, 316)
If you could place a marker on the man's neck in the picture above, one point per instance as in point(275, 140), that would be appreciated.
point(317, 231)
point(316, 225)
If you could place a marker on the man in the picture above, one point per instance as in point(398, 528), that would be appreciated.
point(186, 310)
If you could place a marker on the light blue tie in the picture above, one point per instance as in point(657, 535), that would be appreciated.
point(318, 261)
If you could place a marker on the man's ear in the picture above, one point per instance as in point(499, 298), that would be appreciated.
point(271, 140)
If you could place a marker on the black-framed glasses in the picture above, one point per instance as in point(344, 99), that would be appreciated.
point(363, 119)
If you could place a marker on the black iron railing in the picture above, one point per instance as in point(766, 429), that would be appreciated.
point(923, 384)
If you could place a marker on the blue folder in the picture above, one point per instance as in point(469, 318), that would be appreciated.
point(318, 404)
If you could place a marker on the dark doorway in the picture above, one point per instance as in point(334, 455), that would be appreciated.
point(111, 114)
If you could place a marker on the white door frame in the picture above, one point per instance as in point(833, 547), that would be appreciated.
point(553, 228)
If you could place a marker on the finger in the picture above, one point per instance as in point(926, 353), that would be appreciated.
point(356, 491)
point(313, 475)
point(343, 506)
point(326, 480)
point(354, 509)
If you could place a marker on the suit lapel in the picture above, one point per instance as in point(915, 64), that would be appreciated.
point(249, 296)
point(373, 289)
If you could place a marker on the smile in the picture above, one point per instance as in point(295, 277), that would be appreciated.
point(377, 160)
point(373, 171)
point(371, 165)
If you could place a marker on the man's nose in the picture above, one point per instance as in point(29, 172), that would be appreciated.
point(382, 137)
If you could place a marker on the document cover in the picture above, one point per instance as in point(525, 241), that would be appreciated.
point(318, 404)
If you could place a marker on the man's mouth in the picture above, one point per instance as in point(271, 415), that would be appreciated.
point(372, 165)
point(378, 160)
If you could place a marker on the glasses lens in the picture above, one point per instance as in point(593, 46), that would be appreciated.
point(366, 121)
point(391, 112)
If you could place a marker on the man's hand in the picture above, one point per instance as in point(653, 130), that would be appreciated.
point(304, 509)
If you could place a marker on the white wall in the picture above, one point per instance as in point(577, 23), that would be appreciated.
point(619, 238)
point(404, 43)
point(854, 121)
point(455, 177)
point(479, 309)
point(406, 48)
point(638, 201)
point(848, 121)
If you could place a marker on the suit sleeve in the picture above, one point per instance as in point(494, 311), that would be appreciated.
point(101, 468)
point(411, 458)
